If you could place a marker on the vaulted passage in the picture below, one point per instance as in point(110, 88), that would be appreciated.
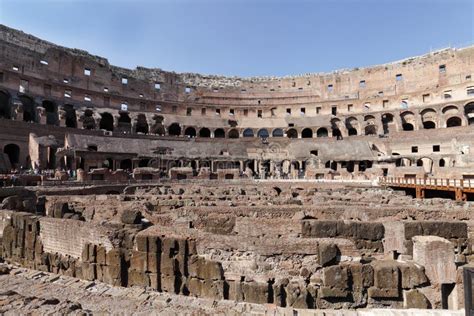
point(233, 133)
point(107, 122)
point(29, 109)
point(190, 131)
point(71, 118)
point(453, 122)
point(307, 133)
point(13, 152)
point(5, 108)
point(322, 132)
point(205, 132)
point(142, 124)
point(219, 133)
point(51, 112)
point(174, 129)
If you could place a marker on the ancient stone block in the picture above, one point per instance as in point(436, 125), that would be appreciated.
point(112, 275)
point(113, 257)
point(235, 291)
point(384, 293)
point(362, 275)
point(169, 283)
point(436, 254)
point(88, 271)
point(205, 269)
point(141, 243)
point(101, 254)
point(319, 229)
point(386, 274)
point(137, 278)
point(412, 275)
point(131, 217)
point(335, 277)
point(415, 299)
point(255, 292)
point(154, 244)
point(329, 292)
point(327, 253)
point(153, 262)
point(138, 261)
point(212, 289)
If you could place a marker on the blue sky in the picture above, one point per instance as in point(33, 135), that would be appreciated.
point(247, 37)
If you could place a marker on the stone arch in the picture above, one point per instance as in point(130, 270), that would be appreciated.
point(292, 133)
point(219, 133)
point(5, 106)
point(322, 132)
point(13, 153)
point(174, 129)
point(263, 133)
point(370, 130)
point(158, 127)
point(408, 121)
point(469, 113)
point(307, 133)
point(51, 110)
point(352, 125)
point(190, 132)
point(71, 118)
point(387, 119)
point(124, 122)
point(248, 132)
point(29, 108)
point(106, 121)
point(142, 124)
point(88, 121)
point(454, 121)
point(450, 110)
point(233, 133)
point(429, 118)
point(205, 132)
point(278, 132)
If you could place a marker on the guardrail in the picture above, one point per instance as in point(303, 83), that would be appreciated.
point(433, 182)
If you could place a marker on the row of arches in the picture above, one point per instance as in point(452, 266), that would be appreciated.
point(408, 121)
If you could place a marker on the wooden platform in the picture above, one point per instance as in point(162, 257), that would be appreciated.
point(460, 187)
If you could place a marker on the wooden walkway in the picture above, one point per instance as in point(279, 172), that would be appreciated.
point(460, 187)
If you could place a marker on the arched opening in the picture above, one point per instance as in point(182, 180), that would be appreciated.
point(158, 127)
point(469, 112)
point(419, 163)
point(71, 118)
point(370, 130)
point(13, 153)
point(278, 132)
point(126, 164)
point(143, 162)
point(307, 133)
point(386, 120)
point(29, 109)
point(233, 133)
point(351, 131)
point(190, 132)
point(219, 133)
point(248, 132)
point(88, 121)
point(429, 125)
point(322, 132)
point(142, 124)
point(336, 133)
point(453, 122)
point(106, 121)
point(124, 123)
point(292, 133)
point(51, 112)
point(407, 127)
point(5, 108)
point(352, 124)
point(205, 132)
point(442, 163)
point(174, 129)
point(263, 133)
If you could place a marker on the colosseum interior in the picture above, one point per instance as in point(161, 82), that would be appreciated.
point(144, 190)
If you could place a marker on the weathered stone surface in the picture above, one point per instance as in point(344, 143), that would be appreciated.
point(327, 253)
point(415, 299)
point(436, 254)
